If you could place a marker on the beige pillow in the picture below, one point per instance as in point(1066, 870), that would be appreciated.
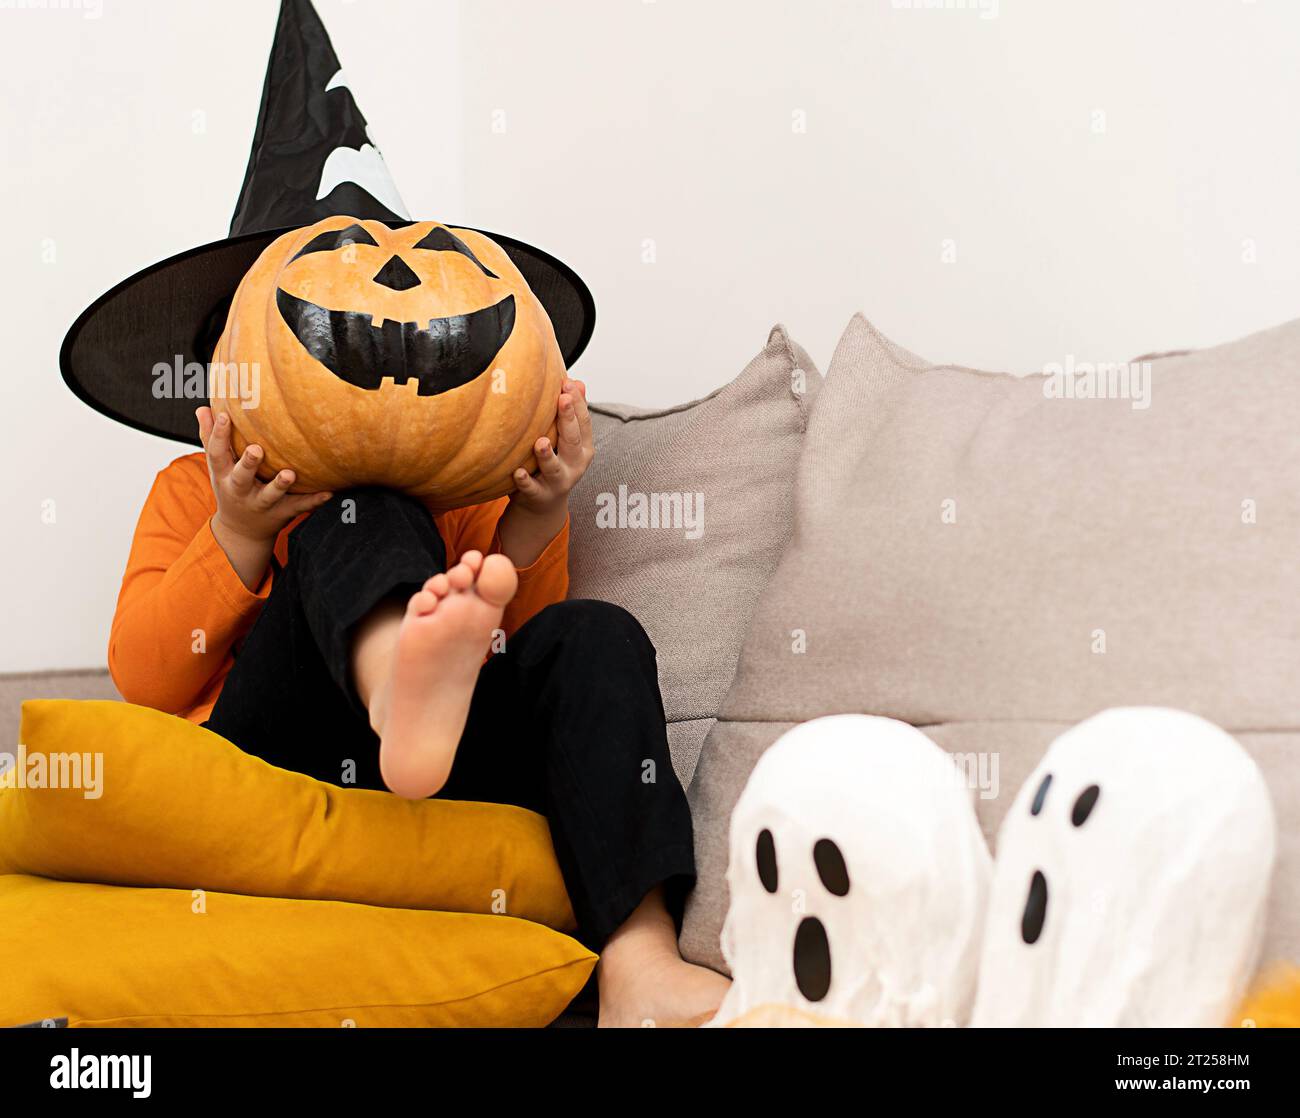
point(682, 517)
point(982, 557)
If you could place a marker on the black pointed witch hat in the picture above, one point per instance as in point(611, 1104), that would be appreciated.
point(312, 158)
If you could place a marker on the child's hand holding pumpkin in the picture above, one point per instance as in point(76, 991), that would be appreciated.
point(559, 467)
point(540, 505)
point(250, 514)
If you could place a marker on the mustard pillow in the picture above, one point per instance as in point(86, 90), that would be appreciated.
point(102, 955)
point(161, 801)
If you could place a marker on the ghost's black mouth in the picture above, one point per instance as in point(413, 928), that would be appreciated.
point(442, 354)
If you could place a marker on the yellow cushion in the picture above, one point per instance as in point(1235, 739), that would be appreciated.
point(102, 955)
point(179, 806)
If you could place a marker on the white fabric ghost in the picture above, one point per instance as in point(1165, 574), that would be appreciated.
point(858, 878)
point(1131, 878)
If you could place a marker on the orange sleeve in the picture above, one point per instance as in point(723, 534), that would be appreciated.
point(182, 607)
point(543, 583)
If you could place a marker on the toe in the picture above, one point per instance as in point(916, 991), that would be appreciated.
point(437, 585)
point(473, 560)
point(460, 577)
point(421, 602)
point(497, 581)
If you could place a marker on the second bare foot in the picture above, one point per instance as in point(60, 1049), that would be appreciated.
point(662, 990)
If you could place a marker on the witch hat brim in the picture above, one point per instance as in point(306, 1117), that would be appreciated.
point(133, 352)
point(171, 314)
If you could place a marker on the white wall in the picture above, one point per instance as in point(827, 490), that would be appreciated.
point(672, 120)
point(669, 121)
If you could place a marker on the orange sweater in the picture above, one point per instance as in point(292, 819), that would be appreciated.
point(182, 608)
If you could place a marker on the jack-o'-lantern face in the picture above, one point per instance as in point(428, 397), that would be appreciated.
point(416, 358)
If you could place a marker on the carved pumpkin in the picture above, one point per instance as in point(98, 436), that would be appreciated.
point(414, 358)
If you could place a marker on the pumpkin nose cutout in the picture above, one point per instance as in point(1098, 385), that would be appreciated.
point(397, 275)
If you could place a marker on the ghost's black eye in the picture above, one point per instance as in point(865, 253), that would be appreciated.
point(765, 856)
point(830, 867)
point(439, 239)
point(1040, 795)
point(336, 238)
point(1031, 923)
point(1084, 804)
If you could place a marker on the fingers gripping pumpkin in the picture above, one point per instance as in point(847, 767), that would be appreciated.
point(415, 358)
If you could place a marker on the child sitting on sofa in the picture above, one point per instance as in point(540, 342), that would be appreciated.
point(344, 636)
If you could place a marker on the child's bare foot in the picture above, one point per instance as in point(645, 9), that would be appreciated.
point(420, 713)
point(663, 991)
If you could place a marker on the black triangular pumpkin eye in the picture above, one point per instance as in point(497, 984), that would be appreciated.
point(336, 238)
point(439, 239)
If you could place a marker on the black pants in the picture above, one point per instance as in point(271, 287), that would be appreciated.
point(566, 721)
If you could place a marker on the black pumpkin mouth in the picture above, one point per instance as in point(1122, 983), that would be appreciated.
point(439, 355)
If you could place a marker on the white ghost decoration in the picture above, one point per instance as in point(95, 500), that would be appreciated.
point(1131, 879)
point(858, 878)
